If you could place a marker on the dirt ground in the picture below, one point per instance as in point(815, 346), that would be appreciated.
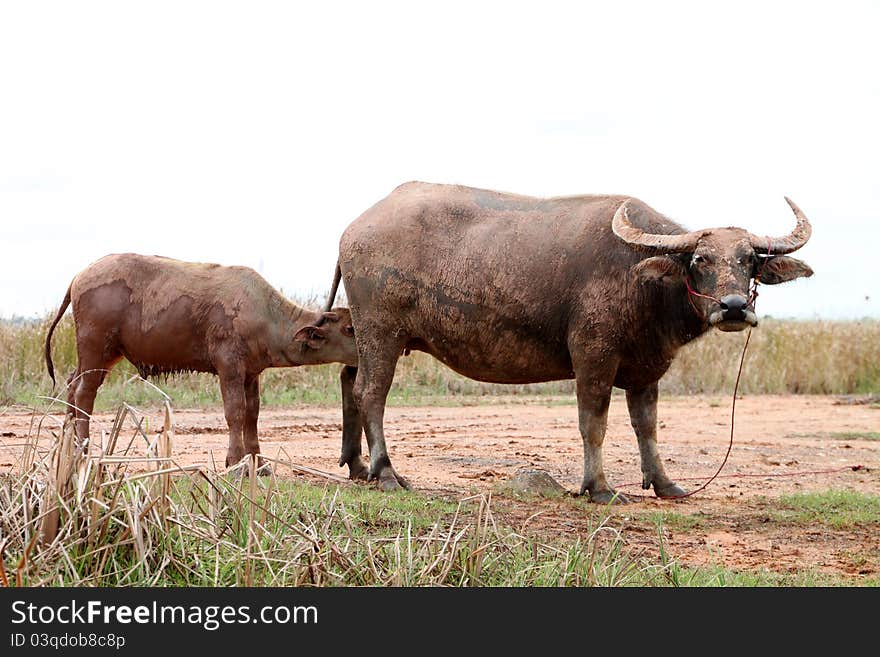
point(812, 441)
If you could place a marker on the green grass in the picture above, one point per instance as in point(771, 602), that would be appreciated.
point(839, 509)
point(838, 435)
point(673, 520)
point(719, 576)
point(855, 435)
point(371, 508)
point(812, 357)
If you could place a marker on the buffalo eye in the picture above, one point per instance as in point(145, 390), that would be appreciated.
point(698, 259)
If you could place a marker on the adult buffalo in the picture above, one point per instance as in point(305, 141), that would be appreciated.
point(167, 316)
point(514, 289)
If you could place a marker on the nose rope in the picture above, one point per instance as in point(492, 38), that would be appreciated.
point(694, 293)
point(754, 292)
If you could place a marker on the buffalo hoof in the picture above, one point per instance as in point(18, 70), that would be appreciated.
point(389, 485)
point(357, 470)
point(670, 491)
point(608, 497)
point(389, 480)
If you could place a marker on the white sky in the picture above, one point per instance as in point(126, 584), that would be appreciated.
point(253, 132)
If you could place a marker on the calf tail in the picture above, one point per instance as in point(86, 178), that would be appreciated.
point(48, 351)
point(333, 288)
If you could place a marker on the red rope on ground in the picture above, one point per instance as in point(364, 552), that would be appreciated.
point(732, 418)
point(798, 473)
point(745, 475)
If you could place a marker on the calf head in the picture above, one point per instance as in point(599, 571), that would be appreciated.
point(718, 265)
point(329, 340)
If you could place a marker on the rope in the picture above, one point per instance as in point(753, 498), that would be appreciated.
point(694, 293)
point(799, 473)
point(742, 359)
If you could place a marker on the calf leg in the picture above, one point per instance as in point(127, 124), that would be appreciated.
point(375, 372)
point(642, 405)
point(352, 427)
point(251, 415)
point(96, 354)
point(232, 390)
point(594, 397)
point(85, 386)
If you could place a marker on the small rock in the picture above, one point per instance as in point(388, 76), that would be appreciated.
point(533, 482)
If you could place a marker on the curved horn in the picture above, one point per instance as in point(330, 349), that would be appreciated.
point(791, 242)
point(649, 242)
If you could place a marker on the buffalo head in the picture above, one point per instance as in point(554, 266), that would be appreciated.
point(329, 339)
point(717, 265)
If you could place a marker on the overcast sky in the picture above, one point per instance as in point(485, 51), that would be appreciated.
point(254, 132)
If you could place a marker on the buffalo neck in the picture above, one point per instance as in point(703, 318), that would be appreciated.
point(289, 318)
point(691, 323)
point(663, 312)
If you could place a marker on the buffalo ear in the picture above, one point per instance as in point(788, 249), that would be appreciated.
point(779, 269)
point(660, 268)
point(313, 337)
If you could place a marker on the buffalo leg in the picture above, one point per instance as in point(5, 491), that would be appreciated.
point(642, 405)
point(232, 390)
point(375, 373)
point(83, 386)
point(252, 414)
point(594, 397)
point(87, 385)
point(352, 427)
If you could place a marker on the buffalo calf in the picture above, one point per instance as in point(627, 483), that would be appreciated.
point(167, 316)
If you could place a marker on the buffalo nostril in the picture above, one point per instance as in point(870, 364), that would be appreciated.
point(733, 306)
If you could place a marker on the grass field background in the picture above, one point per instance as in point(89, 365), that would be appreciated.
point(784, 356)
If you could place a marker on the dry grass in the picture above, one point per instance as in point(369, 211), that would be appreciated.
point(807, 357)
point(123, 512)
point(811, 357)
